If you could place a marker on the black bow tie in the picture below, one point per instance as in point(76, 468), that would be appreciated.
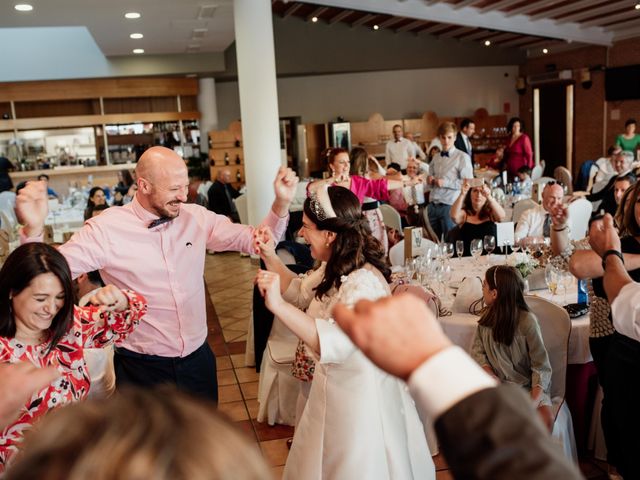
point(444, 154)
point(159, 221)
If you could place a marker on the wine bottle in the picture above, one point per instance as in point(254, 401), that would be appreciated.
point(226, 158)
point(238, 176)
point(237, 159)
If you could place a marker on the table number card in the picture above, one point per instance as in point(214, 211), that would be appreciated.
point(412, 241)
point(505, 233)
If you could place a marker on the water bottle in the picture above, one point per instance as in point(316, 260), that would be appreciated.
point(583, 297)
point(516, 186)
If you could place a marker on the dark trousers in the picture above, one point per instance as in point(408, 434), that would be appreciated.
point(440, 219)
point(622, 394)
point(194, 374)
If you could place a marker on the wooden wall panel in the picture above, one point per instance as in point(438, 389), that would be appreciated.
point(55, 108)
point(188, 102)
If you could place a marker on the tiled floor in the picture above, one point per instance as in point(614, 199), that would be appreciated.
point(229, 279)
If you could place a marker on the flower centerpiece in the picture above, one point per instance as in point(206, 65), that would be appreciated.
point(523, 262)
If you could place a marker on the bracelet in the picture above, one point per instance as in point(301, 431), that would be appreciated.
point(560, 229)
point(610, 252)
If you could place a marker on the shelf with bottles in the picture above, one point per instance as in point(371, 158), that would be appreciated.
point(237, 173)
point(220, 157)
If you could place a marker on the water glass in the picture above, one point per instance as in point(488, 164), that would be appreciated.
point(551, 279)
point(476, 248)
point(489, 243)
point(459, 248)
point(448, 250)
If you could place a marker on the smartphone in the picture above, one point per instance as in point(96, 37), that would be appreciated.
point(476, 182)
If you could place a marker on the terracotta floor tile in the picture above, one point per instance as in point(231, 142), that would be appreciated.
point(249, 390)
point(275, 451)
point(219, 349)
point(223, 362)
point(247, 374)
point(277, 472)
point(266, 432)
point(252, 406)
point(229, 393)
point(237, 359)
point(226, 377)
point(235, 411)
point(237, 347)
point(247, 427)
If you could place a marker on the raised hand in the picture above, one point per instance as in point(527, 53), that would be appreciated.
point(560, 215)
point(110, 298)
point(264, 243)
point(32, 207)
point(397, 333)
point(269, 286)
point(285, 185)
point(603, 235)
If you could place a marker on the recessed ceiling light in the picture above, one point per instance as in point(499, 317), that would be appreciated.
point(138, 51)
point(637, 7)
point(314, 19)
point(487, 43)
point(136, 35)
point(23, 7)
point(132, 15)
point(376, 27)
point(544, 50)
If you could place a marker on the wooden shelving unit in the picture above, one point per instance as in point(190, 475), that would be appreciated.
point(225, 151)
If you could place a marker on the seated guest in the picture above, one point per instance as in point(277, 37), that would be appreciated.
point(50, 191)
point(40, 325)
point(449, 168)
point(394, 171)
point(535, 223)
point(526, 184)
point(403, 198)
point(221, 195)
point(475, 211)
point(508, 342)
point(96, 197)
point(605, 168)
point(495, 162)
point(612, 193)
point(122, 193)
point(160, 435)
point(629, 140)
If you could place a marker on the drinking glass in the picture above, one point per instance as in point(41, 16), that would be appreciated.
point(459, 248)
point(551, 279)
point(410, 265)
point(489, 243)
point(476, 249)
point(566, 280)
point(516, 245)
point(448, 250)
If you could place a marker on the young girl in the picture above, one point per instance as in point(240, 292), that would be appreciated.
point(508, 343)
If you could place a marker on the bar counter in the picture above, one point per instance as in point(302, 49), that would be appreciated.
point(60, 178)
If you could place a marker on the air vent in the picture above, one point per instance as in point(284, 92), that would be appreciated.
point(206, 11)
point(193, 48)
point(199, 32)
point(549, 77)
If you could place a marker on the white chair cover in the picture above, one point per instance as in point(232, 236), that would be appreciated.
point(543, 180)
point(396, 253)
point(7, 210)
point(536, 172)
point(391, 217)
point(563, 175)
point(241, 206)
point(555, 326)
point(278, 388)
point(520, 207)
point(579, 215)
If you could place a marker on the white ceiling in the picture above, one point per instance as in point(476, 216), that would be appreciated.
point(168, 26)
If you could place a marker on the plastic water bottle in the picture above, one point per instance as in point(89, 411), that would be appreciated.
point(516, 186)
point(583, 297)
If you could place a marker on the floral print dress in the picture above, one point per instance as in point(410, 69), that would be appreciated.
point(90, 329)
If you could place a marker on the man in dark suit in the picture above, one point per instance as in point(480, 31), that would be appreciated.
point(463, 139)
point(485, 431)
point(221, 195)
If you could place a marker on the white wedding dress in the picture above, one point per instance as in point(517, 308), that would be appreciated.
point(359, 422)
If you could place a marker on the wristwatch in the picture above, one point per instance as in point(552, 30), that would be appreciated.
point(610, 252)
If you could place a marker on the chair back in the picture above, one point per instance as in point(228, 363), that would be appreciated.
point(429, 299)
point(391, 217)
point(543, 180)
point(536, 172)
point(555, 326)
point(563, 175)
point(579, 214)
point(396, 253)
point(243, 209)
point(520, 207)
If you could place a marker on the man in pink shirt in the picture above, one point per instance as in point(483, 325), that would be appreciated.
point(156, 245)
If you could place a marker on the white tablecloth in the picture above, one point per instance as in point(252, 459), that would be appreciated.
point(461, 327)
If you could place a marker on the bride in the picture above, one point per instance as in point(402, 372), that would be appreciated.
point(358, 422)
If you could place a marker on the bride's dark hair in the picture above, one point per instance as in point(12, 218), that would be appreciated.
point(354, 246)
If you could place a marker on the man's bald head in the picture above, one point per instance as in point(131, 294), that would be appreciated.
point(224, 176)
point(552, 195)
point(157, 161)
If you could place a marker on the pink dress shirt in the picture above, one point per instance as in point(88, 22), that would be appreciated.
point(165, 264)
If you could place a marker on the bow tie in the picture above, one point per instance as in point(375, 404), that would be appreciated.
point(159, 221)
point(444, 154)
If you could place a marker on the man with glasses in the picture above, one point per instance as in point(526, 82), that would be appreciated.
point(535, 223)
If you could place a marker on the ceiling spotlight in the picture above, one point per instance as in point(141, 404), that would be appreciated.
point(637, 7)
point(545, 51)
point(136, 36)
point(23, 7)
point(376, 27)
point(132, 15)
point(138, 51)
point(487, 43)
point(314, 19)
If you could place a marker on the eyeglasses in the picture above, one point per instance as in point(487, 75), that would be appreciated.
point(554, 182)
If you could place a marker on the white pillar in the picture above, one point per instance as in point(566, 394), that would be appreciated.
point(208, 108)
point(258, 102)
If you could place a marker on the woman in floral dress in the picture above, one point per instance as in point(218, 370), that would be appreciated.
point(39, 324)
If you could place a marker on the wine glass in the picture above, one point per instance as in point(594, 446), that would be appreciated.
point(448, 249)
point(459, 248)
point(476, 249)
point(551, 279)
point(410, 266)
point(489, 243)
point(516, 245)
point(566, 280)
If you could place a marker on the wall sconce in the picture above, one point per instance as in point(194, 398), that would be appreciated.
point(585, 78)
point(521, 86)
